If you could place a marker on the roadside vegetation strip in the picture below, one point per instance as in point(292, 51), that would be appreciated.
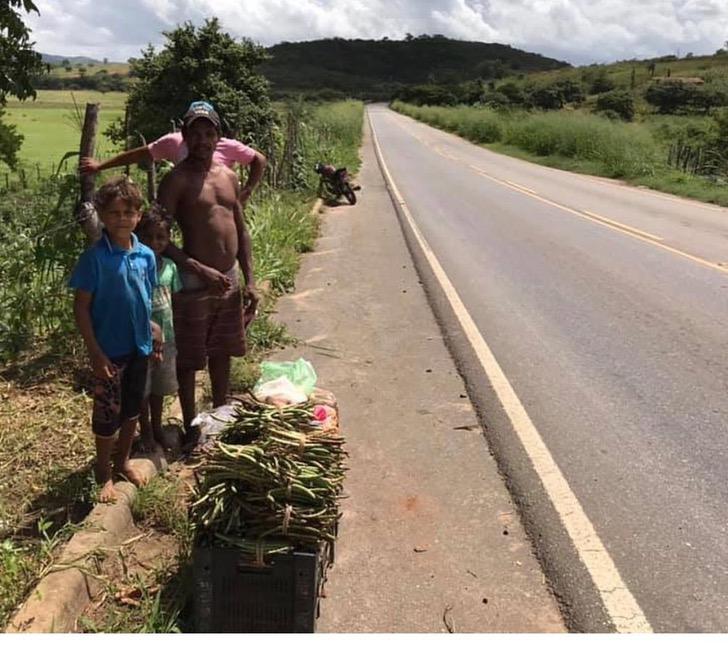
point(577, 141)
point(621, 606)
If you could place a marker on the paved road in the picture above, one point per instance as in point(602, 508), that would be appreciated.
point(607, 309)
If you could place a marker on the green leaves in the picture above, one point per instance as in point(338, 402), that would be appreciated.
point(201, 63)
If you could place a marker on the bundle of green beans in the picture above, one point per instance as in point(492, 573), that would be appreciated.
point(277, 491)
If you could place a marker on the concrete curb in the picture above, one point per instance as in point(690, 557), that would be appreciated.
point(61, 596)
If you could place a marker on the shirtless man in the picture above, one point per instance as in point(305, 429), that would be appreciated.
point(210, 313)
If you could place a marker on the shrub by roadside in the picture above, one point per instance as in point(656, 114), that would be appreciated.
point(575, 141)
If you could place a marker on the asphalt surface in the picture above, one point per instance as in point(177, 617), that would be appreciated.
point(430, 540)
point(609, 319)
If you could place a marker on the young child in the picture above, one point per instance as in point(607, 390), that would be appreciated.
point(113, 280)
point(154, 231)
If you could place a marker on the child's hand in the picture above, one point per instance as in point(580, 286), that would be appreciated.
point(103, 368)
point(157, 343)
point(217, 283)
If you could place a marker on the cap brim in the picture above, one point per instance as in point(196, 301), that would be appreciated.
point(194, 118)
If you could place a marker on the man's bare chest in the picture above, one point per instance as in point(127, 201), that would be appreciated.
point(208, 196)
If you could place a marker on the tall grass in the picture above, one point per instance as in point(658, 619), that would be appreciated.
point(623, 150)
point(620, 150)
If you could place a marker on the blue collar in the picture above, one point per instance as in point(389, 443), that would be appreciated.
point(114, 249)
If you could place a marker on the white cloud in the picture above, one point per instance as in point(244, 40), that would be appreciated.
point(579, 31)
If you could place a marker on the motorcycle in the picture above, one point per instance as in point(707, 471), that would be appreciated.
point(336, 182)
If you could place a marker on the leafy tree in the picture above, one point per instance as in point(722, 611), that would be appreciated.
point(200, 63)
point(18, 62)
point(10, 141)
point(617, 102)
point(428, 95)
point(512, 91)
point(18, 65)
point(601, 83)
point(669, 97)
point(547, 97)
point(680, 97)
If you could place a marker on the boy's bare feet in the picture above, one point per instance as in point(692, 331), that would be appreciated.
point(107, 493)
point(131, 474)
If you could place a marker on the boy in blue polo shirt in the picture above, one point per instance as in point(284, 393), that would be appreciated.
point(114, 279)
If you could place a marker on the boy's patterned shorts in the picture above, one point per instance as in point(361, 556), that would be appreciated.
point(119, 398)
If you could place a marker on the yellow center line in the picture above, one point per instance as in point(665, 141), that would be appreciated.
point(622, 226)
point(521, 187)
point(617, 226)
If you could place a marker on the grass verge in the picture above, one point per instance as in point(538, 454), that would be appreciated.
point(572, 141)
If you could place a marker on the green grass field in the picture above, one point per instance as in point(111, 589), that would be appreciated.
point(111, 68)
point(50, 125)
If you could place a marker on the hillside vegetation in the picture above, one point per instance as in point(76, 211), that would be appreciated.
point(379, 69)
point(337, 67)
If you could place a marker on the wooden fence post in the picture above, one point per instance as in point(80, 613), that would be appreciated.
point(127, 143)
point(86, 214)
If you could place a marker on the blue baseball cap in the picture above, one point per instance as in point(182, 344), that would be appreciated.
point(199, 109)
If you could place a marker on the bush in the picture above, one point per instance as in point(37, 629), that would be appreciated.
point(512, 91)
point(671, 97)
point(200, 63)
point(39, 244)
point(620, 103)
point(10, 141)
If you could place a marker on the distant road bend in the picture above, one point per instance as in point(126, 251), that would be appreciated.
point(590, 320)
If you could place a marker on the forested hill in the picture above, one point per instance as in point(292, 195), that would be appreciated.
point(376, 69)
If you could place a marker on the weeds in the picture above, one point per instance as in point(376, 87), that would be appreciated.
point(24, 560)
point(581, 142)
point(160, 504)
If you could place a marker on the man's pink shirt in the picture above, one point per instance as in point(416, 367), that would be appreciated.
point(173, 148)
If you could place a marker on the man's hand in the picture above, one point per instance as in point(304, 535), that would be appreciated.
point(88, 166)
point(245, 194)
point(219, 283)
point(250, 303)
point(103, 368)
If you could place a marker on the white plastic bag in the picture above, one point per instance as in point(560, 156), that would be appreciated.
point(279, 392)
point(211, 423)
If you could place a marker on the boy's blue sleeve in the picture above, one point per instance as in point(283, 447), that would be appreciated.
point(85, 275)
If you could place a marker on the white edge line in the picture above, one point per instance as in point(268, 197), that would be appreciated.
point(619, 602)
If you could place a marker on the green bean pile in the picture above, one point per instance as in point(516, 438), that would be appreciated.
point(272, 482)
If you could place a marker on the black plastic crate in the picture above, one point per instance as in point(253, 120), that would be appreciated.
point(233, 595)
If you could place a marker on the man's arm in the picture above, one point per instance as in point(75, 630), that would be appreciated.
point(255, 175)
point(168, 197)
point(101, 365)
point(245, 259)
point(93, 166)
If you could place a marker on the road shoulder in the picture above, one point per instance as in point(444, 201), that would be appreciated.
point(430, 540)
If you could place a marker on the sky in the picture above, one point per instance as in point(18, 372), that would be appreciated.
point(577, 31)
